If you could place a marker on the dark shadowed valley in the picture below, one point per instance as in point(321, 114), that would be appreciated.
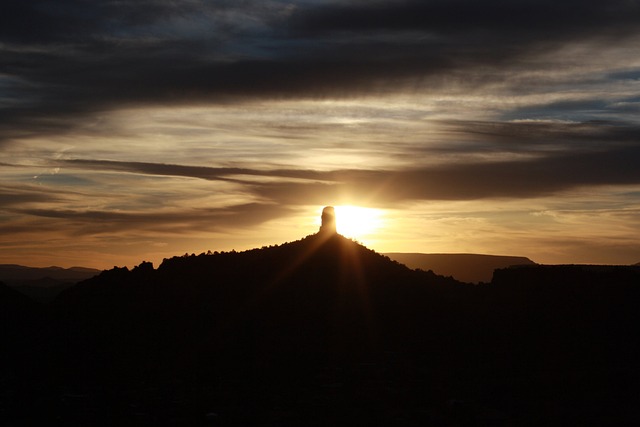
point(323, 331)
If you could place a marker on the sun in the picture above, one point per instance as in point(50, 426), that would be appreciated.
point(357, 222)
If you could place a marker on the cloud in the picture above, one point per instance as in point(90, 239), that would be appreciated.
point(81, 57)
point(536, 137)
point(183, 221)
point(527, 19)
point(202, 172)
point(517, 179)
point(78, 21)
point(545, 173)
point(23, 195)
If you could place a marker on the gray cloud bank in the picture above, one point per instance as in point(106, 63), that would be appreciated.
point(73, 57)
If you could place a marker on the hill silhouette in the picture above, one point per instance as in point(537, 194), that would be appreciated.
point(12, 273)
point(471, 268)
point(43, 283)
point(324, 331)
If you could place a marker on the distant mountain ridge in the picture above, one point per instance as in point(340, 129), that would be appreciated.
point(43, 283)
point(470, 268)
point(12, 273)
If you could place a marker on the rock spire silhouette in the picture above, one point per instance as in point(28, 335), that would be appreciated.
point(328, 225)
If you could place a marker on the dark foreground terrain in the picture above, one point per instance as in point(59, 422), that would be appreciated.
point(319, 332)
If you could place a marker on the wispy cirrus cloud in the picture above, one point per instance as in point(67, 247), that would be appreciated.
point(177, 221)
point(542, 174)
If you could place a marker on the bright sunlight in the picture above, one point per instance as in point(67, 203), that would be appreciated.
point(357, 222)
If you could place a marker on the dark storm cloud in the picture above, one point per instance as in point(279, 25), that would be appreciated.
point(77, 56)
point(523, 19)
point(82, 21)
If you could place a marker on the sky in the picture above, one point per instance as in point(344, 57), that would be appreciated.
point(136, 130)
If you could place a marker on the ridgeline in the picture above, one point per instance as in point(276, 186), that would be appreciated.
point(324, 331)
